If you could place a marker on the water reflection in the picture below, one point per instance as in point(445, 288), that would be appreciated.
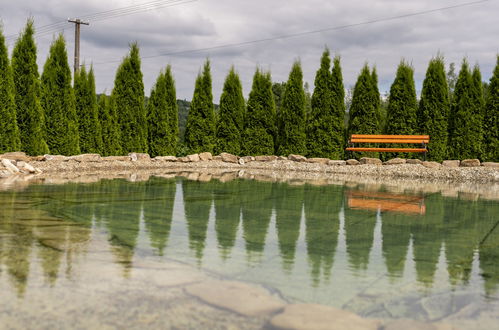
point(275, 225)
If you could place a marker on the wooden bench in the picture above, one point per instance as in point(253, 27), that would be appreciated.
point(422, 140)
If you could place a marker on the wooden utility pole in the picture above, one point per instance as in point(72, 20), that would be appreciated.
point(77, 23)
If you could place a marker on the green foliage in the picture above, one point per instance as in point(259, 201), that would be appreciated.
point(402, 105)
point(338, 114)
point(58, 102)
point(477, 113)
point(278, 92)
point(230, 125)
point(200, 127)
point(30, 117)
point(111, 145)
point(291, 138)
point(9, 132)
point(162, 116)
point(260, 131)
point(433, 109)
point(128, 102)
point(89, 126)
point(491, 119)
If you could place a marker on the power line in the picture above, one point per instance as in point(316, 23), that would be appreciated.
point(299, 34)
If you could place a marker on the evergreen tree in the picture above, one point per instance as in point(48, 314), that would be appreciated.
point(291, 138)
point(491, 119)
point(477, 113)
point(162, 116)
point(30, 117)
point(433, 109)
point(89, 126)
point(9, 132)
point(230, 126)
point(462, 140)
point(380, 110)
point(320, 121)
point(259, 134)
point(200, 127)
point(128, 103)
point(111, 145)
point(402, 104)
point(58, 102)
point(338, 118)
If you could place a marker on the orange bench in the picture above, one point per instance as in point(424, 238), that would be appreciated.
point(422, 140)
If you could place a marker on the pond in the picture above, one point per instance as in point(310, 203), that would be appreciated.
point(116, 252)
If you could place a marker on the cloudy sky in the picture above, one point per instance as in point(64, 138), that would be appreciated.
point(471, 31)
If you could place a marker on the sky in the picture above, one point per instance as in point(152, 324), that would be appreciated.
point(470, 32)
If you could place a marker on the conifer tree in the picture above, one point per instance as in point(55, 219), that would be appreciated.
point(433, 109)
point(477, 113)
point(30, 117)
point(230, 125)
point(200, 127)
point(89, 126)
point(377, 97)
point(291, 138)
point(491, 119)
point(111, 145)
point(402, 104)
point(9, 132)
point(128, 103)
point(162, 116)
point(58, 102)
point(320, 121)
point(338, 117)
point(260, 131)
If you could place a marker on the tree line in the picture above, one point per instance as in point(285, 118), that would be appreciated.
point(42, 114)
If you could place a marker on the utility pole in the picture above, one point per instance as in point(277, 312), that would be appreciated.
point(77, 23)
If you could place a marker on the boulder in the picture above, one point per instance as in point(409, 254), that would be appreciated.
point(265, 158)
point(86, 158)
point(30, 169)
point(229, 158)
point(165, 158)
point(431, 164)
point(297, 158)
point(370, 161)
point(490, 164)
point(352, 162)
point(282, 158)
point(395, 161)
point(217, 158)
point(414, 161)
point(318, 160)
point(248, 159)
point(205, 156)
point(17, 156)
point(183, 159)
point(451, 163)
point(55, 158)
point(408, 324)
point(137, 156)
point(470, 163)
point(116, 158)
point(193, 158)
point(9, 166)
point(337, 162)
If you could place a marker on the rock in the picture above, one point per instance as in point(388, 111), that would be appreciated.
point(297, 158)
point(370, 161)
point(431, 164)
point(241, 161)
point(205, 156)
point(470, 163)
point(228, 176)
point(229, 158)
point(194, 176)
point(17, 156)
point(183, 159)
point(116, 158)
point(28, 168)
point(265, 158)
point(55, 158)
point(318, 160)
point(414, 161)
point(395, 161)
point(137, 156)
point(282, 158)
point(217, 158)
point(165, 158)
point(490, 164)
point(9, 166)
point(248, 159)
point(352, 162)
point(337, 162)
point(193, 158)
point(204, 177)
point(86, 158)
point(451, 163)
point(318, 317)
point(408, 324)
point(236, 296)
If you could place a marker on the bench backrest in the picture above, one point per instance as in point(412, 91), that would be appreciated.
point(420, 139)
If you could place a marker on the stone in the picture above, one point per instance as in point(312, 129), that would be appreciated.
point(395, 161)
point(86, 158)
point(17, 156)
point(490, 164)
point(414, 161)
point(116, 158)
point(28, 168)
point(205, 156)
point(470, 163)
point(228, 176)
point(217, 158)
point(204, 177)
point(55, 158)
point(165, 158)
point(265, 158)
point(137, 156)
point(337, 162)
point(370, 161)
point(183, 159)
point(9, 166)
point(194, 158)
point(408, 324)
point(451, 163)
point(241, 161)
point(318, 160)
point(297, 158)
point(238, 297)
point(194, 176)
point(431, 164)
point(352, 162)
point(318, 317)
point(248, 159)
point(229, 158)
point(282, 158)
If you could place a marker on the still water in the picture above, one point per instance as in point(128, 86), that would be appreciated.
point(378, 253)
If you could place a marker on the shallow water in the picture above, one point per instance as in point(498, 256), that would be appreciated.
point(100, 251)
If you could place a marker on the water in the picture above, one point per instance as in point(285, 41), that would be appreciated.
point(379, 253)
